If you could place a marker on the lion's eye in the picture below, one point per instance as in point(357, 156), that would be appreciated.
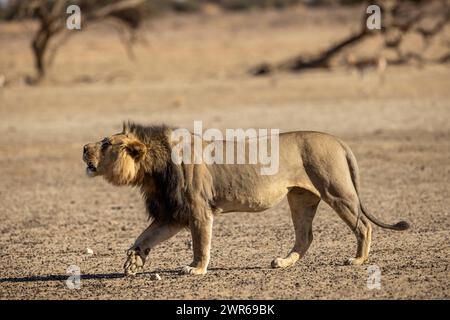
point(105, 144)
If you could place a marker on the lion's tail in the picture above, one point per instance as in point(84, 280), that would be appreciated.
point(353, 166)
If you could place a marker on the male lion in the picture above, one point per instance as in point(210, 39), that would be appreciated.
point(312, 167)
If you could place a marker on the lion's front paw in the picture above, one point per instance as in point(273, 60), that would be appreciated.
point(192, 270)
point(134, 263)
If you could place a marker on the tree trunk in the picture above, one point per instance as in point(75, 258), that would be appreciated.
point(40, 45)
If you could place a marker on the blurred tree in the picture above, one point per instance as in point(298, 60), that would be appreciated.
point(51, 16)
point(399, 18)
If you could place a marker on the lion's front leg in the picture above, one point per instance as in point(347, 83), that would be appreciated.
point(151, 237)
point(201, 230)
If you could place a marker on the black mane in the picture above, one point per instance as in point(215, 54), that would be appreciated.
point(168, 200)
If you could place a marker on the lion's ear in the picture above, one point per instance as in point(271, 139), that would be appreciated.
point(125, 127)
point(136, 149)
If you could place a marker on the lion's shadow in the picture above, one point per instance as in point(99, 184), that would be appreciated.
point(95, 276)
point(62, 277)
point(114, 275)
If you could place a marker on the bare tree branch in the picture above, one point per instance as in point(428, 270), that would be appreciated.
point(399, 18)
point(51, 17)
point(114, 7)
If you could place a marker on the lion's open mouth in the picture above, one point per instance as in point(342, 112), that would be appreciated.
point(91, 170)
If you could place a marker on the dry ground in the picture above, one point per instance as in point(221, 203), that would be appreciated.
point(193, 69)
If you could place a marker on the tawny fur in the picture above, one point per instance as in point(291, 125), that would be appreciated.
point(313, 167)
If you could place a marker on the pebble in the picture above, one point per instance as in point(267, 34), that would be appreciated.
point(89, 251)
point(155, 276)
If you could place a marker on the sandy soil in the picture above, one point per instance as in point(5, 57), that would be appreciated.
point(193, 68)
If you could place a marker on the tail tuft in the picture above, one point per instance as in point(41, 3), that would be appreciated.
point(401, 225)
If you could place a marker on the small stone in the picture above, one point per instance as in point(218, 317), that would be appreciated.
point(89, 251)
point(155, 276)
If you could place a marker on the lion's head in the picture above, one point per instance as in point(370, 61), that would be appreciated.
point(141, 156)
point(117, 158)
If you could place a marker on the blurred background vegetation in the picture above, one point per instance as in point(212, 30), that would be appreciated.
point(401, 19)
point(9, 9)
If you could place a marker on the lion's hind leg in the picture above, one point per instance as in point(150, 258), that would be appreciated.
point(346, 204)
point(303, 205)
